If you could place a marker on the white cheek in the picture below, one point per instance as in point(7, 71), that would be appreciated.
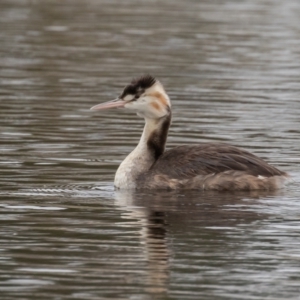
point(134, 105)
point(128, 98)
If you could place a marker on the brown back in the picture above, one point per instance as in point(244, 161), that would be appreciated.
point(185, 162)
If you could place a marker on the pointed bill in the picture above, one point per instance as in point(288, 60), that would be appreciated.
point(109, 104)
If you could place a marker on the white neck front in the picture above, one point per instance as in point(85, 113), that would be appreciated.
point(143, 156)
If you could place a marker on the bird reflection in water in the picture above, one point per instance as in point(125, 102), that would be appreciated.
point(170, 218)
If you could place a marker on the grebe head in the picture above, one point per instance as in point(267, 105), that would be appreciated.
point(146, 96)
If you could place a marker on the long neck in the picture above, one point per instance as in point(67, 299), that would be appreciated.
point(155, 136)
point(150, 147)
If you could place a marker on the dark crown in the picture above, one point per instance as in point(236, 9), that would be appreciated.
point(138, 85)
point(144, 82)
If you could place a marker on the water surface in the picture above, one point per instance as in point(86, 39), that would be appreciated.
point(232, 71)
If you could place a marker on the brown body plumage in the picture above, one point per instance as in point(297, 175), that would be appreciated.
point(210, 166)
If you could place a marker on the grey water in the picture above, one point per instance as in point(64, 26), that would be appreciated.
point(232, 71)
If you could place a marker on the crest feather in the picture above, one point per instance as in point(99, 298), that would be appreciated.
point(138, 85)
point(145, 81)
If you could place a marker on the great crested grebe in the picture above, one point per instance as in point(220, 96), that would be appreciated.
point(207, 166)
